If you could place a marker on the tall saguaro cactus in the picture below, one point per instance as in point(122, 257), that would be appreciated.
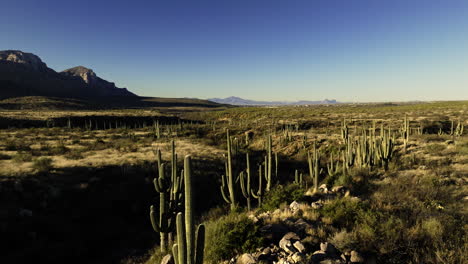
point(190, 243)
point(164, 221)
point(314, 166)
point(259, 194)
point(245, 186)
point(228, 179)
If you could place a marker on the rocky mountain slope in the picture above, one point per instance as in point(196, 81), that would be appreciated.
point(25, 74)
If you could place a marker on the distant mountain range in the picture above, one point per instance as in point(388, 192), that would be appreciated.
point(233, 100)
point(25, 74)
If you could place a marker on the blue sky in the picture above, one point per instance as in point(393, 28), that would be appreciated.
point(348, 50)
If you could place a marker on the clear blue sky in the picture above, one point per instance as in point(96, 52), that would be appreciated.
point(349, 50)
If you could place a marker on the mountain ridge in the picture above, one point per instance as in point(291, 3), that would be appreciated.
point(234, 100)
point(25, 74)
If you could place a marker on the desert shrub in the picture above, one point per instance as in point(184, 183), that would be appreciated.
point(22, 157)
point(18, 145)
point(435, 149)
point(4, 156)
point(74, 155)
point(43, 164)
point(230, 235)
point(342, 212)
point(280, 194)
point(462, 148)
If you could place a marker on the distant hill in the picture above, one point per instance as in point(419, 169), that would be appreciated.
point(25, 74)
point(233, 100)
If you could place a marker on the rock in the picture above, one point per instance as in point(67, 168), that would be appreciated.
point(323, 188)
point(329, 249)
point(246, 259)
point(168, 259)
point(299, 246)
point(253, 218)
point(286, 245)
point(332, 261)
point(291, 236)
point(298, 258)
point(283, 261)
point(294, 206)
point(340, 189)
point(273, 232)
point(449, 142)
point(318, 256)
point(301, 226)
point(316, 205)
point(356, 257)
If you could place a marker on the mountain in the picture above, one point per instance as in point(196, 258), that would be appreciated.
point(25, 74)
point(233, 100)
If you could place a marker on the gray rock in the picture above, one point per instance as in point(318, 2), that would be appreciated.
point(298, 258)
point(323, 188)
point(291, 236)
point(332, 261)
point(329, 249)
point(246, 259)
point(356, 257)
point(299, 246)
point(294, 206)
point(318, 256)
point(317, 205)
point(286, 245)
point(168, 259)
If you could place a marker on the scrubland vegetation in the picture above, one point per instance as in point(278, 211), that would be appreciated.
point(378, 183)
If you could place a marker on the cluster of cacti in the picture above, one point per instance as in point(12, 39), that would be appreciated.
point(170, 198)
point(384, 148)
point(298, 178)
point(190, 244)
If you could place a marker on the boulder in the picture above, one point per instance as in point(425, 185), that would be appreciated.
point(329, 249)
point(286, 245)
point(318, 256)
point(356, 257)
point(298, 258)
point(246, 259)
point(299, 246)
point(168, 259)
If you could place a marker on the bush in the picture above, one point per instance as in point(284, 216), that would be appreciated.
point(281, 194)
point(43, 164)
point(342, 212)
point(22, 157)
point(230, 235)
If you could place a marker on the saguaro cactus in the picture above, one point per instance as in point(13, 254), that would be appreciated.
point(164, 221)
point(245, 186)
point(259, 194)
point(314, 166)
point(190, 243)
point(228, 179)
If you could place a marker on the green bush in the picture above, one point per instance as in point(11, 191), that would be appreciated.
point(342, 212)
point(281, 194)
point(43, 164)
point(231, 235)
